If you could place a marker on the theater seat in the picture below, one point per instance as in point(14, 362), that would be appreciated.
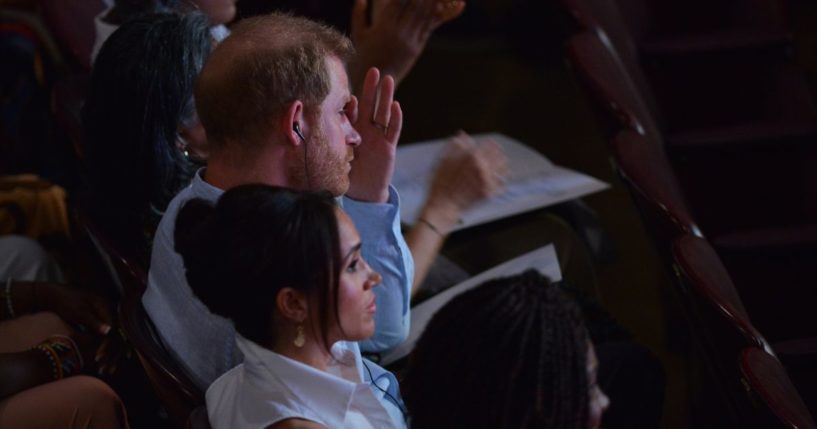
point(688, 27)
point(176, 391)
point(695, 107)
point(771, 393)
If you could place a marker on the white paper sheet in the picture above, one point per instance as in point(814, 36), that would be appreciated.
point(532, 182)
point(543, 259)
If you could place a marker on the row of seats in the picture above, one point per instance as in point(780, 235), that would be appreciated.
point(713, 130)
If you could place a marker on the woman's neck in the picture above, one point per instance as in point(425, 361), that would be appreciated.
point(312, 353)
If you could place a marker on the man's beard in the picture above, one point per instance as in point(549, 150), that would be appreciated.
point(319, 168)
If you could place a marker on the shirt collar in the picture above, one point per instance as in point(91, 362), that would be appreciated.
point(325, 394)
point(202, 189)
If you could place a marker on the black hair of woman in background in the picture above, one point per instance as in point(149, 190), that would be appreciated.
point(510, 353)
point(140, 122)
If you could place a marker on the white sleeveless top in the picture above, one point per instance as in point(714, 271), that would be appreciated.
point(268, 388)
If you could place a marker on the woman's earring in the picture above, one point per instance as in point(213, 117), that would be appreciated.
point(182, 144)
point(300, 340)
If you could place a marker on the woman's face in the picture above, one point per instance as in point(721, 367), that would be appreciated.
point(599, 402)
point(219, 11)
point(356, 301)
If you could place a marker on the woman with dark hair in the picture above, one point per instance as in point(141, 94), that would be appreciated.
point(141, 125)
point(285, 267)
point(511, 353)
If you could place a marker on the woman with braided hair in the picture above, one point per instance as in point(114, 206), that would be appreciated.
point(511, 353)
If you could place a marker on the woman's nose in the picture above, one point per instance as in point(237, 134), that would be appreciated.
point(374, 279)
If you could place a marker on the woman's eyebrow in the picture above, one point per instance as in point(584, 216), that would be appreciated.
point(352, 251)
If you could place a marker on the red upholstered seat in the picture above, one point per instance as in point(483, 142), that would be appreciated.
point(178, 394)
point(713, 105)
point(174, 388)
point(772, 393)
point(684, 27)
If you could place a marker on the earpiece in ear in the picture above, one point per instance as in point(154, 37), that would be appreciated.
point(297, 128)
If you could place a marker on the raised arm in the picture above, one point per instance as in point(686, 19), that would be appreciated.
point(396, 34)
point(379, 122)
point(385, 249)
point(374, 206)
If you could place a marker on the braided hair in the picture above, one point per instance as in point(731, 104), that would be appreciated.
point(511, 353)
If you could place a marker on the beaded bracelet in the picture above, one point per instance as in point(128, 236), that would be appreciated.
point(63, 354)
point(53, 359)
point(7, 298)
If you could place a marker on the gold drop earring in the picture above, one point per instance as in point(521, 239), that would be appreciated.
point(300, 340)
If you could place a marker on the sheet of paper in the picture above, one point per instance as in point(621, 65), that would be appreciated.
point(543, 259)
point(532, 182)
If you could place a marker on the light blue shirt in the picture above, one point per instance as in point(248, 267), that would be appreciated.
point(204, 343)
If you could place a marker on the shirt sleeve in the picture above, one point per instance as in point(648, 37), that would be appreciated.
point(385, 250)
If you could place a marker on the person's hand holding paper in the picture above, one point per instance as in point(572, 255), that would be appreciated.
point(467, 173)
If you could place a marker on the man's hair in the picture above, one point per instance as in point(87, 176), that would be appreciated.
point(256, 240)
point(511, 353)
point(266, 63)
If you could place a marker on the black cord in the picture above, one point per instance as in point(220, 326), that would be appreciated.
point(306, 161)
point(399, 404)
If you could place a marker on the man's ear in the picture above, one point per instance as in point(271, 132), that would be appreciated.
point(292, 305)
point(292, 123)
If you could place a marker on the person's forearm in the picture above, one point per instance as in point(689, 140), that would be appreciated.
point(23, 370)
point(426, 238)
point(425, 244)
point(20, 298)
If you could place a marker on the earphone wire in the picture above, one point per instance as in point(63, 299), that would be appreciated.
point(297, 129)
point(399, 404)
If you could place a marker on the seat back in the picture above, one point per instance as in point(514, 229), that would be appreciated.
point(649, 178)
point(72, 24)
point(623, 20)
point(771, 393)
point(176, 391)
point(643, 20)
point(618, 98)
point(718, 309)
point(114, 259)
point(721, 328)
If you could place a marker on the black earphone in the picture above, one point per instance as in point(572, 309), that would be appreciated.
point(297, 128)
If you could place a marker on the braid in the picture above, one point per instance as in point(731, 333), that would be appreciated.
point(514, 349)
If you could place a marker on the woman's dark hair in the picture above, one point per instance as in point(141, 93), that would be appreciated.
point(255, 241)
point(511, 353)
point(141, 90)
